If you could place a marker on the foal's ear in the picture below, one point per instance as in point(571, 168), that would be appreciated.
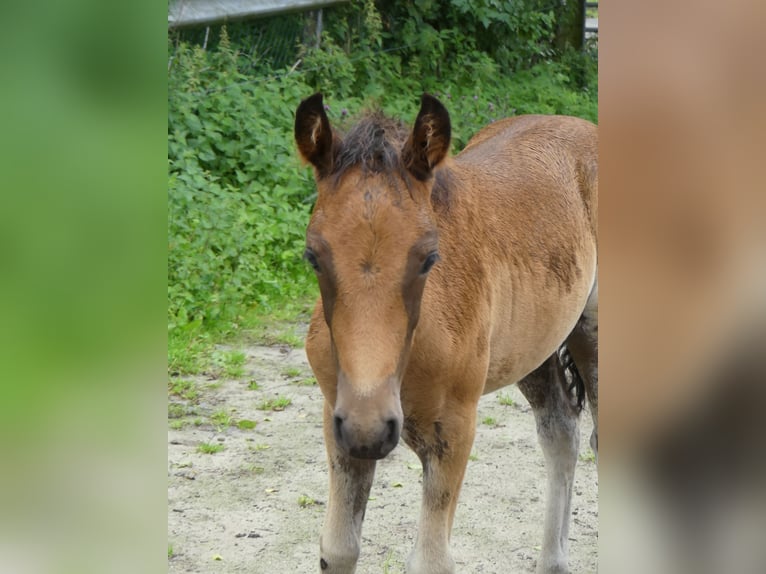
point(313, 134)
point(429, 142)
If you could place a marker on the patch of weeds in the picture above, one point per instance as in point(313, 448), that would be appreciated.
point(307, 382)
point(506, 400)
point(178, 410)
point(260, 447)
point(197, 422)
point(588, 456)
point(210, 448)
point(184, 389)
point(292, 372)
point(170, 551)
point(229, 364)
point(387, 564)
point(278, 325)
point(277, 404)
point(489, 421)
point(306, 501)
point(253, 385)
point(473, 457)
point(222, 419)
point(253, 469)
point(234, 365)
point(290, 339)
point(189, 349)
point(213, 386)
point(178, 424)
point(246, 424)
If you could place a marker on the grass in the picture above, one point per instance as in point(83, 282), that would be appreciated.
point(192, 348)
point(277, 326)
point(192, 351)
point(189, 349)
point(178, 424)
point(307, 382)
point(588, 456)
point(306, 501)
point(505, 399)
point(228, 364)
point(277, 404)
point(473, 457)
point(253, 469)
point(290, 339)
point(253, 385)
point(246, 424)
point(292, 372)
point(170, 551)
point(387, 564)
point(209, 448)
point(184, 389)
point(222, 419)
point(178, 410)
point(489, 421)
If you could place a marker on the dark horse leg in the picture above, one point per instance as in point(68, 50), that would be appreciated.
point(583, 347)
point(557, 418)
point(350, 482)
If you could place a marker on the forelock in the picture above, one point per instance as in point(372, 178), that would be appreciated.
point(374, 146)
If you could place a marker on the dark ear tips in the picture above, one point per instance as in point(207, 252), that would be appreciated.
point(429, 103)
point(314, 101)
point(307, 113)
point(313, 133)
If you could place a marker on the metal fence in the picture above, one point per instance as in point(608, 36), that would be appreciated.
point(196, 12)
point(590, 23)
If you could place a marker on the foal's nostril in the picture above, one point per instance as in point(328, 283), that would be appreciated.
point(338, 429)
point(393, 431)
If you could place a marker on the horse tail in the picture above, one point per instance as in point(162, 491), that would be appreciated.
point(574, 381)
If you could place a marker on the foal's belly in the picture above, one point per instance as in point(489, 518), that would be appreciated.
point(528, 326)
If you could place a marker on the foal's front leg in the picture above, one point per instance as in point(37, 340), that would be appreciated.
point(443, 446)
point(559, 435)
point(350, 482)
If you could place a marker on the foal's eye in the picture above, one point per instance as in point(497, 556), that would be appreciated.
point(311, 257)
point(432, 258)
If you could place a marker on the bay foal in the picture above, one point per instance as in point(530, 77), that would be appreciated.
point(442, 279)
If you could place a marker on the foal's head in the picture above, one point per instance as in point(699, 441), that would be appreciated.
point(372, 240)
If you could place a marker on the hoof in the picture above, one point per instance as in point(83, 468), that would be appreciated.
point(418, 565)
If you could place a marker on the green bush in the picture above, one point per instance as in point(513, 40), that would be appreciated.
point(237, 199)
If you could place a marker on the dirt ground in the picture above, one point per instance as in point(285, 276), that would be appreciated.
point(257, 506)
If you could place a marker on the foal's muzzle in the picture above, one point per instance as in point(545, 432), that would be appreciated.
point(371, 445)
point(367, 424)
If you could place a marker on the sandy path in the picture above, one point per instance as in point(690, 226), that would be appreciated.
point(238, 510)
